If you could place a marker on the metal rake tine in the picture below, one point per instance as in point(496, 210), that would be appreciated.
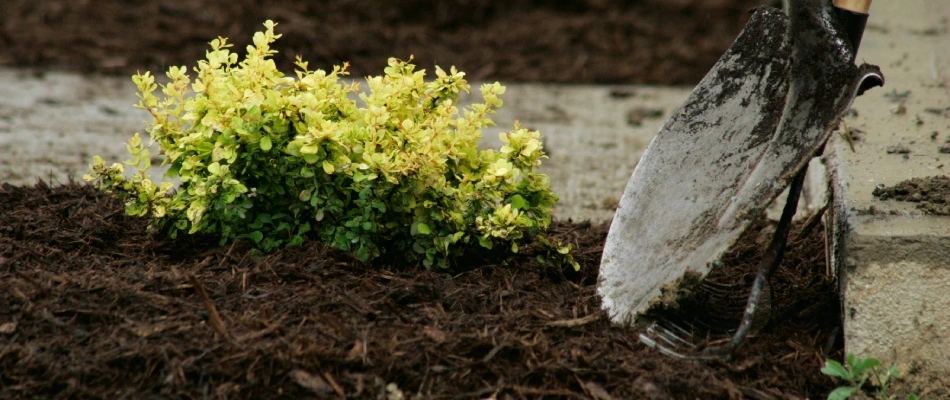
point(731, 289)
point(724, 293)
point(675, 335)
point(721, 285)
point(714, 287)
point(658, 335)
point(667, 351)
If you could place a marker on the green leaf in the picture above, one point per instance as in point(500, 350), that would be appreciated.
point(834, 368)
point(864, 365)
point(403, 151)
point(173, 171)
point(892, 372)
point(518, 202)
point(265, 143)
point(842, 393)
point(259, 222)
point(564, 250)
point(423, 228)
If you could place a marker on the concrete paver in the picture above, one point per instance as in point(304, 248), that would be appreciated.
point(893, 260)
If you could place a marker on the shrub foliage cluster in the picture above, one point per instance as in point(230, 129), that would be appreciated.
point(392, 167)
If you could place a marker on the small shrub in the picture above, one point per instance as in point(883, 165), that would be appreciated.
point(271, 158)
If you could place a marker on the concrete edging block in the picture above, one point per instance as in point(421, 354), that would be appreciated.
point(893, 260)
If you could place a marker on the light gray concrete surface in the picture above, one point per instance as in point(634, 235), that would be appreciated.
point(594, 137)
point(894, 261)
point(51, 124)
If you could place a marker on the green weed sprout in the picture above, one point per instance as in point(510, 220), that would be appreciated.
point(271, 158)
point(856, 372)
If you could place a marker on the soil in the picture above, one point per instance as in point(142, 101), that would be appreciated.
point(97, 306)
point(932, 193)
point(647, 41)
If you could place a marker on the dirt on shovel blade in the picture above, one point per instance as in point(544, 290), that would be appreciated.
point(92, 305)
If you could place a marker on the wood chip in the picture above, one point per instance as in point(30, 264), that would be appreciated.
point(569, 323)
point(216, 322)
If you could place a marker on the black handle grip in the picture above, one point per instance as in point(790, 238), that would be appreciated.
point(854, 23)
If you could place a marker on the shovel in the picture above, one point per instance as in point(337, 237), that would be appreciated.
point(744, 135)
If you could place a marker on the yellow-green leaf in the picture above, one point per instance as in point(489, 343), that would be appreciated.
point(265, 143)
point(424, 229)
point(406, 151)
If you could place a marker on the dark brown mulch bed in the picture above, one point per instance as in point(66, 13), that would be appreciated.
point(647, 41)
point(97, 307)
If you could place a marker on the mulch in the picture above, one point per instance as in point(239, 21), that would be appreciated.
point(94, 305)
point(97, 306)
point(590, 41)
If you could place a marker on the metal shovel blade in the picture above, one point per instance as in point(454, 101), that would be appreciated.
point(751, 125)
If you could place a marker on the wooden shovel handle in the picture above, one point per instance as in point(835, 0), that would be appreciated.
point(858, 6)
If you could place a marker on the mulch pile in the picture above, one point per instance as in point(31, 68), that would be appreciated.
point(96, 306)
point(93, 305)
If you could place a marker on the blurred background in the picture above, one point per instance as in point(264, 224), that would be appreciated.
point(565, 41)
